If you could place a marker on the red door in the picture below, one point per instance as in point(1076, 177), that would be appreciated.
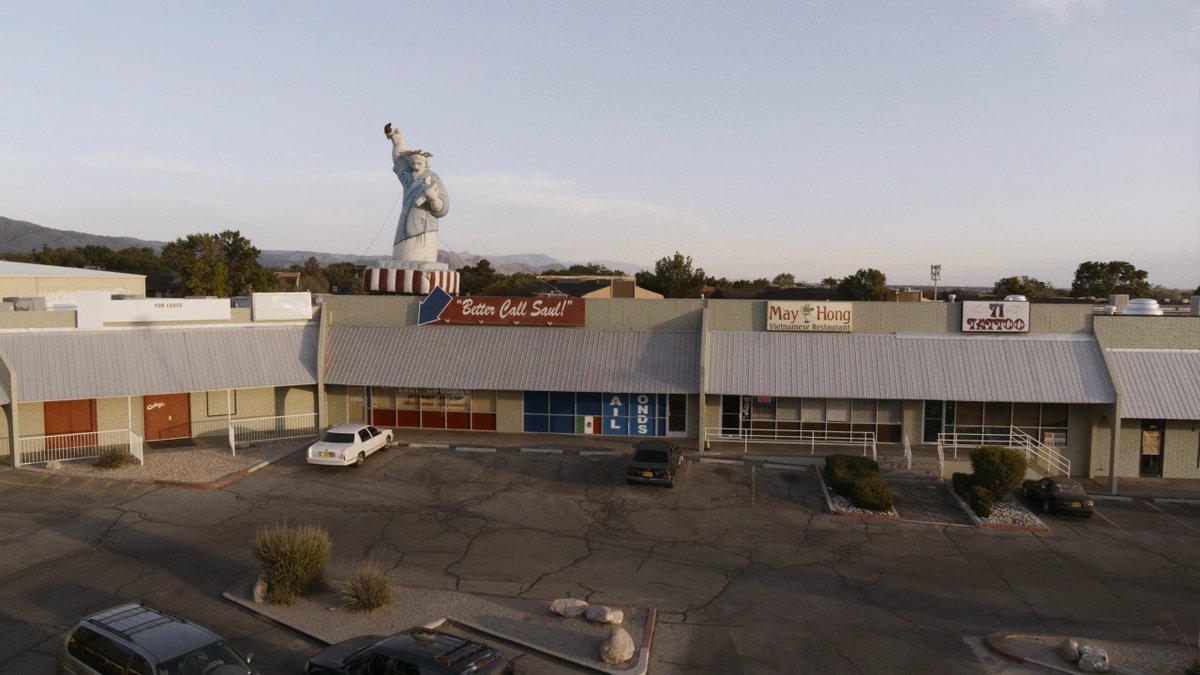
point(168, 416)
point(70, 417)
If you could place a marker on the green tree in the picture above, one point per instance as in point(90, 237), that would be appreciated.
point(344, 278)
point(1101, 279)
point(312, 276)
point(784, 280)
point(1027, 286)
point(585, 270)
point(830, 282)
point(474, 280)
point(519, 284)
point(865, 284)
point(674, 277)
point(223, 265)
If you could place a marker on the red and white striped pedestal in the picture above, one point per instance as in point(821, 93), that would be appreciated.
point(409, 281)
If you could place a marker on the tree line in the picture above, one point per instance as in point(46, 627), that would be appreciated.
point(227, 264)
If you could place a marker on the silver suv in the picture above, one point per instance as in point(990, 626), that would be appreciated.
point(138, 640)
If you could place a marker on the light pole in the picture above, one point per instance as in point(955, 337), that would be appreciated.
point(935, 273)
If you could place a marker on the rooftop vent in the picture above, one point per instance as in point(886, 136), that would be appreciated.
point(1143, 307)
point(1015, 298)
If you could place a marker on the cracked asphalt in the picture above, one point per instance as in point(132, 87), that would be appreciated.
point(747, 571)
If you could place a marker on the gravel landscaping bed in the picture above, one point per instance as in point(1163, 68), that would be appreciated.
point(1011, 512)
point(843, 505)
point(191, 464)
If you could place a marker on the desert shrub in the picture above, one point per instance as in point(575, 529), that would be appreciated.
point(844, 470)
point(872, 493)
point(999, 470)
point(368, 590)
point(979, 499)
point(293, 560)
point(114, 458)
point(962, 482)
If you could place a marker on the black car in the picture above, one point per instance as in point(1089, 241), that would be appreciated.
point(416, 651)
point(138, 639)
point(655, 461)
point(1059, 495)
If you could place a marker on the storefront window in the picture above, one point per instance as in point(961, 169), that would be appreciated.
point(618, 414)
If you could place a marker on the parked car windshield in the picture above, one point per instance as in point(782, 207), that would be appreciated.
point(217, 657)
point(652, 456)
point(337, 437)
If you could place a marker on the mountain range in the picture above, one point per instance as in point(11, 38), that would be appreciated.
point(18, 236)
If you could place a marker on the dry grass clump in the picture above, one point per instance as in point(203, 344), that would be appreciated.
point(368, 590)
point(293, 560)
point(114, 459)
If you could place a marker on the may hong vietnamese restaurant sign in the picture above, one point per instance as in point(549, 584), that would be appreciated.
point(824, 317)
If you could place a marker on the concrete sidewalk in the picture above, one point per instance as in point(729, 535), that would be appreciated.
point(527, 624)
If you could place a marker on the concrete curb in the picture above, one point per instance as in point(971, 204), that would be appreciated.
point(641, 666)
point(542, 451)
point(476, 450)
point(995, 642)
point(1175, 500)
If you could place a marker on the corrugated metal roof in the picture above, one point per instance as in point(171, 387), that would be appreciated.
point(9, 268)
point(514, 358)
point(64, 365)
point(1157, 383)
point(1047, 369)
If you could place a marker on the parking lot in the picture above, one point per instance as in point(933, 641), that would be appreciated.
point(745, 567)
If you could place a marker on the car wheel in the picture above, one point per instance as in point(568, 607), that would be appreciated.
point(1046, 505)
point(358, 461)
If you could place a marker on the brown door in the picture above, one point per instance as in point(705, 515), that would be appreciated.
point(168, 416)
point(70, 417)
point(1152, 448)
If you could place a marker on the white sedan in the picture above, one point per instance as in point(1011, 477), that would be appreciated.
point(348, 444)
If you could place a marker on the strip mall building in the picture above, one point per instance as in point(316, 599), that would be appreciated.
point(710, 371)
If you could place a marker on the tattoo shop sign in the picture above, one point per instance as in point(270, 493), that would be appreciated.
point(995, 317)
point(825, 317)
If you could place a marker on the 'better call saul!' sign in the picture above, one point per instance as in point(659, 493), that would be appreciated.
point(441, 307)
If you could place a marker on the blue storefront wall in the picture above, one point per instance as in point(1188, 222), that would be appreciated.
point(612, 414)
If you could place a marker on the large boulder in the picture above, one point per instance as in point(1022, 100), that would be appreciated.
point(569, 607)
point(1069, 649)
point(1093, 659)
point(618, 648)
point(608, 615)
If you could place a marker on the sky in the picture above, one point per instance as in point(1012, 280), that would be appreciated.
point(995, 138)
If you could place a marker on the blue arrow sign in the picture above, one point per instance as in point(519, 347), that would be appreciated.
point(432, 306)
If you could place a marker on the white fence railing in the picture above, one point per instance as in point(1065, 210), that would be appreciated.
point(801, 437)
point(257, 429)
point(38, 449)
point(1036, 453)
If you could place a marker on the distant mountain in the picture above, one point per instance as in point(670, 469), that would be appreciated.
point(18, 236)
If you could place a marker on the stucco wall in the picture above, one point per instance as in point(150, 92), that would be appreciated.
point(510, 412)
point(1181, 450)
point(31, 419)
point(1148, 332)
point(62, 289)
point(116, 413)
point(901, 317)
point(337, 402)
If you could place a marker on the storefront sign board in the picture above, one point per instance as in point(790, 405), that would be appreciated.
point(995, 317)
point(824, 317)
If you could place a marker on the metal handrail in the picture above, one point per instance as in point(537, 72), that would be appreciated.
point(258, 429)
point(1015, 439)
point(810, 437)
point(85, 445)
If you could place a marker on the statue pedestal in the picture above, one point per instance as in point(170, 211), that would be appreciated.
point(410, 278)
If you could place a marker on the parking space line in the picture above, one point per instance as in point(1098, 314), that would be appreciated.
point(714, 460)
point(1110, 522)
point(599, 453)
point(470, 449)
point(543, 451)
point(1157, 508)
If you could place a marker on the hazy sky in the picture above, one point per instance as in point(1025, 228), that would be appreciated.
point(993, 137)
